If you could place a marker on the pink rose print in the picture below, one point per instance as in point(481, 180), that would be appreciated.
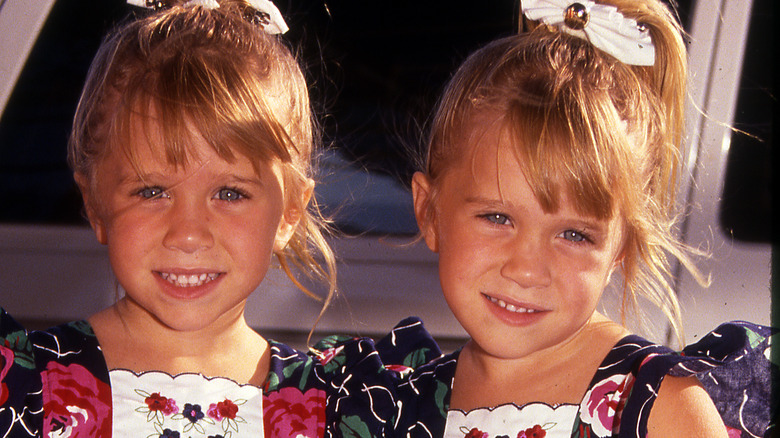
point(328, 355)
point(476, 433)
point(224, 409)
point(400, 369)
point(603, 404)
point(733, 433)
point(6, 360)
point(75, 403)
point(533, 432)
point(290, 413)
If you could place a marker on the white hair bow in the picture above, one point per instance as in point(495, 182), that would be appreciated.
point(601, 25)
point(269, 16)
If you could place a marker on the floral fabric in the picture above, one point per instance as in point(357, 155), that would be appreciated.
point(156, 403)
point(534, 420)
point(732, 362)
point(55, 383)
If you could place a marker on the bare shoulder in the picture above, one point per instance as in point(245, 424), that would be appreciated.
point(683, 409)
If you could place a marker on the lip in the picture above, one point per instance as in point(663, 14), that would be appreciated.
point(188, 284)
point(512, 312)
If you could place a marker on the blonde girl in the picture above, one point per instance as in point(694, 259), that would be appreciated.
point(192, 146)
point(551, 168)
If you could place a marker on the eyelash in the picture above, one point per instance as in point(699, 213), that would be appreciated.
point(576, 236)
point(240, 194)
point(573, 236)
point(153, 192)
point(497, 219)
point(227, 194)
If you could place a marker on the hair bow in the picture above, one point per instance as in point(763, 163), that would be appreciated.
point(267, 16)
point(601, 25)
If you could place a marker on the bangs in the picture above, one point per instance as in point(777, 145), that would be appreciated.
point(561, 153)
point(223, 80)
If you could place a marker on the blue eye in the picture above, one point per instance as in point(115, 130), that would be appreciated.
point(151, 192)
point(574, 236)
point(496, 218)
point(229, 195)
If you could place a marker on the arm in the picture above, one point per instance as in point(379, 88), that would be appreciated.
point(683, 409)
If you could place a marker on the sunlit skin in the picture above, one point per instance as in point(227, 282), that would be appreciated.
point(523, 282)
point(188, 245)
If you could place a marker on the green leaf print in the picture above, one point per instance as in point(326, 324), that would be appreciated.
point(17, 342)
point(353, 427)
point(441, 393)
point(416, 358)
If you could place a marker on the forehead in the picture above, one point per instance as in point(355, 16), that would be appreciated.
point(489, 150)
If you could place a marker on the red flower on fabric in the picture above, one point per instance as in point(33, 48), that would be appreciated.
point(223, 409)
point(290, 413)
point(166, 405)
point(533, 432)
point(476, 433)
point(6, 360)
point(401, 369)
point(75, 403)
point(328, 355)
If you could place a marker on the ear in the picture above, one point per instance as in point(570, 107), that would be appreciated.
point(90, 207)
point(293, 212)
point(423, 210)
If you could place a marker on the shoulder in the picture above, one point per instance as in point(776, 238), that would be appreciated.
point(684, 409)
point(726, 376)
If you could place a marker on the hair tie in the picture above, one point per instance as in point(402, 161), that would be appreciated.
point(601, 25)
point(266, 14)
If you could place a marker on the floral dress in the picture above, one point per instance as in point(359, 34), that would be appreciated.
point(732, 363)
point(56, 383)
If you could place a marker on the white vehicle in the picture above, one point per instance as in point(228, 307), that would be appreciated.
point(53, 270)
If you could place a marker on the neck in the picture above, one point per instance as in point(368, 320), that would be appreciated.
point(559, 374)
point(135, 340)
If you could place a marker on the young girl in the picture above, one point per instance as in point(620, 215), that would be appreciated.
point(551, 169)
point(192, 147)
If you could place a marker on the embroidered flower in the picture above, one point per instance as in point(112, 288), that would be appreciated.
point(223, 409)
point(603, 403)
point(75, 403)
point(289, 412)
point(167, 433)
point(192, 412)
point(166, 405)
point(534, 432)
point(156, 406)
point(226, 412)
point(476, 433)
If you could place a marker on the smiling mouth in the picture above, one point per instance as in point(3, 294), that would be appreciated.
point(188, 280)
point(510, 307)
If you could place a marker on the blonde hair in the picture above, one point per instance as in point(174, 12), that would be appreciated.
point(215, 71)
point(607, 133)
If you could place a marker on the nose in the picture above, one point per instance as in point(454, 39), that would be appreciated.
point(188, 227)
point(526, 262)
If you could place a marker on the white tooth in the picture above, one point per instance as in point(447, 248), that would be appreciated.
point(203, 277)
point(172, 277)
point(511, 308)
point(502, 303)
